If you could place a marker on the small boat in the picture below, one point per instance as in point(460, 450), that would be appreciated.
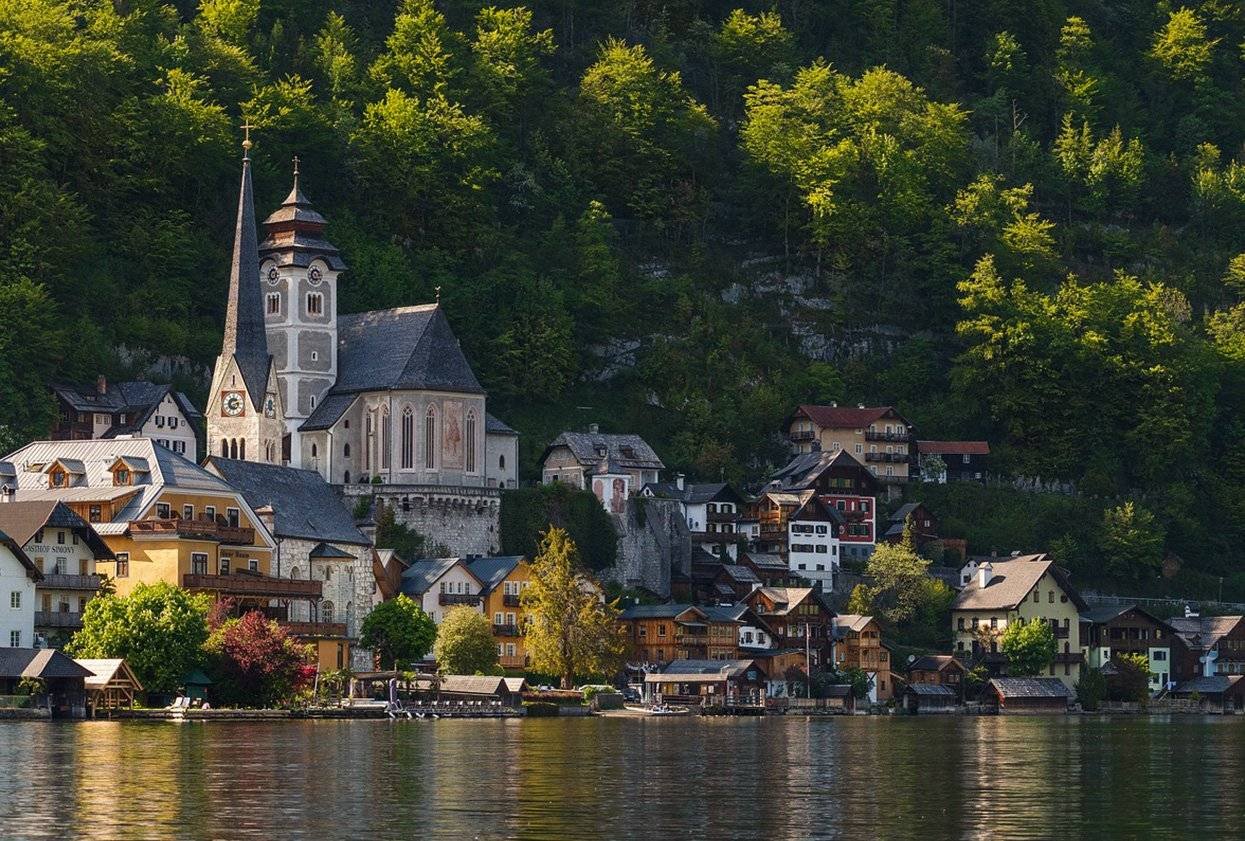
point(663, 709)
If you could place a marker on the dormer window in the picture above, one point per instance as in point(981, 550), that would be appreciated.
point(122, 476)
point(58, 479)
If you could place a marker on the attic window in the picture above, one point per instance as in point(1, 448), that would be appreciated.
point(601, 450)
point(628, 452)
point(122, 476)
point(58, 479)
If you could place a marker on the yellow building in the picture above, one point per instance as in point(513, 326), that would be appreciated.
point(502, 581)
point(164, 518)
point(1026, 588)
point(878, 436)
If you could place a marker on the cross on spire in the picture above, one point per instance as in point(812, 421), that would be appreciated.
point(438, 291)
point(246, 140)
point(296, 173)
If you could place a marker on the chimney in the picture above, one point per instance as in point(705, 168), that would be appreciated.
point(985, 572)
point(593, 429)
point(678, 480)
point(101, 384)
point(6, 493)
point(267, 516)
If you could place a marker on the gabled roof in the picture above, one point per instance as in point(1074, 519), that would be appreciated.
point(1011, 582)
point(104, 671)
point(493, 426)
point(1102, 614)
point(669, 610)
point(23, 520)
point(1202, 632)
point(1208, 685)
point(419, 577)
point(589, 448)
point(407, 348)
point(1030, 687)
point(785, 599)
point(697, 494)
point(932, 663)
point(852, 622)
point(166, 469)
point(847, 417)
point(304, 505)
point(816, 511)
point(953, 448)
point(327, 551)
point(700, 671)
point(740, 574)
point(38, 662)
point(493, 570)
point(803, 471)
point(475, 685)
point(766, 560)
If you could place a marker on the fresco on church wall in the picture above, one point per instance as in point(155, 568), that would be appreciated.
point(618, 501)
point(452, 436)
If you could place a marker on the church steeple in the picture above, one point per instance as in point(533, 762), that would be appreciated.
point(245, 338)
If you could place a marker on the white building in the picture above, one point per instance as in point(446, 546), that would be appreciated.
point(18, 575)
point(135, 409)
point(442, 584)
point(712, 511)
point(813, 542)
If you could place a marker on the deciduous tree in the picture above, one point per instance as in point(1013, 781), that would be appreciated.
point(398, 631)
point(1029, 647)
point(465, 643)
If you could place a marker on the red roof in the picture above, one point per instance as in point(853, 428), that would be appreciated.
point(846, 417)
point(972, 448)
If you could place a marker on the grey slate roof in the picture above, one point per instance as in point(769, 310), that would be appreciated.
point(902, 512)
point(931, 690)
point(38, 662)
point(327, 550)
point(419, 577)
point(930, 662)
point(802, 472)
point(656, 611)
point(1030, 687)
point(1204, 685)
point(245, 338)
point(22, 520)
point(493, 426)
point(137, 397)
point(742, 574)
point(695, 494)
point(493, 570)
point(305, 506)
point(403, 348)
point(627, 451)
point(295, 234)
point(697, 671)
point(1012, 581)
point(328, 413)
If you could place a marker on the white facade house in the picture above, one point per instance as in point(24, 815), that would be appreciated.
point(135, 409)
point(442, 584)
point(813, 546)
point(18, 575)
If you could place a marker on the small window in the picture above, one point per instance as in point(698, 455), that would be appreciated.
point(163, 510)
point(60, 538)
point(15, 599)
point(315, 303)
point(224, 566)
point(233, 515)
point(94, 514)
point(209, 511)
point(123, 565)
point(315, 356)
point(274, 303)
point(253, 564)
point(199, 563)
point(15, 639)
point(188, 512)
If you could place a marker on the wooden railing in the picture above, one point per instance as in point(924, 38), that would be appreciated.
point(57, 619)
point(201, 529)
point(315, 629)
point(510, 599)
point(65, 581)
point(255, 585)
point(459, 598)
point(505, 630)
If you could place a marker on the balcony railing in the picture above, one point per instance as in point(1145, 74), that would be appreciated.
point(65, 581)
point(505, 630)
point(199, 529)
point(871, 435)
point(460, 598)
point(57, 619)
point(721, 516)
point(510, 599)
point(242, 584)
point(315, 629)
point(512, 662)
point(890, 458)
point(691, 639)
point(803, 435)
point(1061, 633)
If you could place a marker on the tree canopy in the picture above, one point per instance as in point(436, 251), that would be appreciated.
point(1029, 647)
point(398, 631)
point(465, 643)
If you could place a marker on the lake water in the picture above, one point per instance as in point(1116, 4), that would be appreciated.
point(616, 778)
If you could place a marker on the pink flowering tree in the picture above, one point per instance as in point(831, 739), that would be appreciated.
point(255, 663)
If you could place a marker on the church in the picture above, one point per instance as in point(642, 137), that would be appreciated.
point(379, 403)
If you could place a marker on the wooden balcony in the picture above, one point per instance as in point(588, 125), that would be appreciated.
point(315, 629)
point(510, 599)
point(195, 529)
point(888, 458)
point(63, 581)
point(57, 619)
point(1069, 659)
point(802, 435)
point(871, 435)
point(263, 586)
point(1061, 633)
point(505, 630)
point(469, 599)
point(691, 639)
point(515, 662)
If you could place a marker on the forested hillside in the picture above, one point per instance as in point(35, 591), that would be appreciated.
point(1019, 220)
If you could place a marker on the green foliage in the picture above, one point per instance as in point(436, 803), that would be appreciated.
point(1131, 542)
point(254, 663)
point(159, 629)
point(899, 584)
point(1131, 682)
point(1091, 689)
point(1029, 648)
point(465, 643)
point(528, 513)
point(398, 631)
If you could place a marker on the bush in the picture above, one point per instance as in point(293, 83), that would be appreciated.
point(1091, 689)
point(540, 709)
point(527, 513)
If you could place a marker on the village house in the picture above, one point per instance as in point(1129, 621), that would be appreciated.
point(941, 669)
point(878, 436)
point(1207, 646)
point(734, 582)
point(612, 466)
point(924, 525)
point(857, 644)
point(64, 680)
point(773, 510)
point(813, 543)
point(316, 540)
point(711, 510)
point(798, 617)
point(1026, 588)
point(952, 461)
point(770, 569)
point(65, 549)
point(18, 577)
point(1111, 631)
point(442, 584)
point(1028, 695)
point(503, 578)
point(706, 682)
point(843, 483)
point(138, 408)
point(659, 633)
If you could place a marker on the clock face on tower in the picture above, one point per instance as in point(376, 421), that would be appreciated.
point(270, 406)
point(231, 403)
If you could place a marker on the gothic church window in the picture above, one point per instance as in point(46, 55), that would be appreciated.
point(408, 439)
point(430, 438)
point(471, 441)
point(385, 438)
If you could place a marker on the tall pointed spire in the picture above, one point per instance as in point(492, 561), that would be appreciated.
point(245, 338)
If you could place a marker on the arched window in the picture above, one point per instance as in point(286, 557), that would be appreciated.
point(224, 448)
point(328, 574)
point(346, 478)
point(471, 441)
point(349, 619)
point(430, 438)
point(326, 611)
point(408, 439)
point(501, 462)
point(385, 436)
point(369, 439)
point(314, 451)
point(346, 450)
point(293, 572)
point(233, 448)
point(242, 449)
